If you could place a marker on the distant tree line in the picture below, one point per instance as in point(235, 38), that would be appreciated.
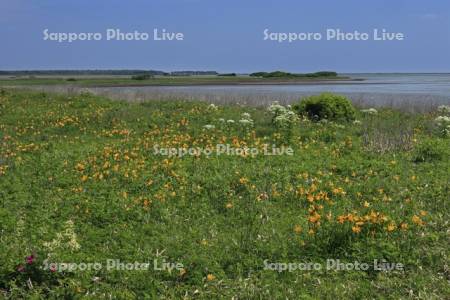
point(193, 73)
point(105, 72)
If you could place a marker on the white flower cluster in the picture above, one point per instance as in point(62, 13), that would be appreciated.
point(212, 107)
point(246, 120)
point(443, 124)
point(444, 109)
point(282, 116)
point(222, 120)
point(370, 111)
point(209, 127)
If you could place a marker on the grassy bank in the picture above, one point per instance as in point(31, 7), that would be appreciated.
point(84, 179)
point(160, 80)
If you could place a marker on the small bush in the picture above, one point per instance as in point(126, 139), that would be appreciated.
point(322, 74)
point(429, 151)
point(228, 75)
point(326, 106)
point(141, 77)
point(259, 74)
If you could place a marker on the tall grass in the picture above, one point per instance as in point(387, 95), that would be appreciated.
point(413, 103)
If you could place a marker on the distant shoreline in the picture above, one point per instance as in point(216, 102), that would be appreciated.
point(81, 81)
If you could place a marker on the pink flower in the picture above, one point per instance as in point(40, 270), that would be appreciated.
point(30, 259)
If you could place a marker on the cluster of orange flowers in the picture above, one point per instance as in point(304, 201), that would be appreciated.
point(67, 120)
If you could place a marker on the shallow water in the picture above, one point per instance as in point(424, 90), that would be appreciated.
point(410, 92)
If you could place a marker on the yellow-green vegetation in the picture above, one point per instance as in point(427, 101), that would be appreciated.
point(84, 179)
point(143, 80)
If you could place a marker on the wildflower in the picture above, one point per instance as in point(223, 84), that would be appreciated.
point(210, 277)
point(80, 167)
point(243, 180)
point(314, 218)
point(366, 204)
point(404, 226)
point(341, 219)
point(209, 127)
point(262, 197)
point(423, 213)
point(369, 111)
point(444, 109)
point(417, 220)
point(230, 121)
point(30, 259)
point(212, 107)
point(298, 229)
point(276, 109)
point(300, 191)
point(282, 116)
point(246, 122)
point(246, 116)
point(350, 218)
point(356, 229)
point(442, 120)
point(391, 227)
point(229, 205)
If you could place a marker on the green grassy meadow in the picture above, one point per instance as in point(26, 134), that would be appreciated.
point(81, 182)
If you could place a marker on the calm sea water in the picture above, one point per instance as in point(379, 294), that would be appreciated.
point(396, 90)
point(431, 84)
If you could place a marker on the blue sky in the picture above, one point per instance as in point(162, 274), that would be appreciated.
point(227, 36)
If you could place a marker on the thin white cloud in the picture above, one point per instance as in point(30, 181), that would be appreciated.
point(428, 16)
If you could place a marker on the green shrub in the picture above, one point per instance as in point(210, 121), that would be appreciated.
point(228, 75)
point(322, 74)
point(326, 106)
point(429, 151)
point(259, 74)
point(141, 77)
